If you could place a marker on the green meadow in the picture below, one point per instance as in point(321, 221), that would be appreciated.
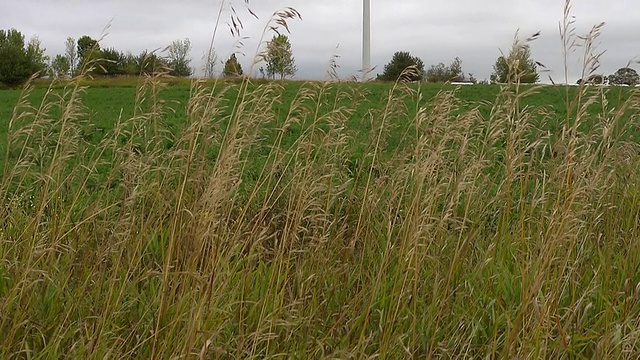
point(148, 218)
point(110, 100)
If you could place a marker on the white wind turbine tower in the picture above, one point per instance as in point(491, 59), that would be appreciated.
point(366, 39)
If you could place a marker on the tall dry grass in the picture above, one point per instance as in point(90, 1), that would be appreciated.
point(480, 237)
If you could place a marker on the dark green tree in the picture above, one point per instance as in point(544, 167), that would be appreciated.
point(232, 67)
point(14, 65)
point(17, 60)
point(518, 66)
point(279, 57)
point(400, 61)
point(146, 63)
point(624, 76)
point(86, 45)
point(88, 52)
point(111, 62)
point(129, 65)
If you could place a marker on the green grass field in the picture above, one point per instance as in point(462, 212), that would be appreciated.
point(106, 101)
point(319, 220)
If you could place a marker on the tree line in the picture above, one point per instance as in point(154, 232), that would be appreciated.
point(624, 76)
point(19, 60)
point(517, 66)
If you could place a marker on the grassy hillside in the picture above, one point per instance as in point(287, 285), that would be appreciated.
point(319, 220)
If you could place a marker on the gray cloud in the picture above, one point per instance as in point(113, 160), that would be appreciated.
point(435, 31)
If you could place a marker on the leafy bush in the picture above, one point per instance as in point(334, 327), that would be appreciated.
point(595, 79)
point(624, 76)
point(442, 73)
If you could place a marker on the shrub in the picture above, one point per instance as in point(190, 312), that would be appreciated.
point(401, 61)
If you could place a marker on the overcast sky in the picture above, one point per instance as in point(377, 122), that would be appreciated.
point(436, 31)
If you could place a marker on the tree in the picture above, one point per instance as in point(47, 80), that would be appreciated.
point(232, 67)
point(60, 66)
point(518, 66)
point(88, 51)
point(399, 62)
point(624, 76)
point(35, 54)
point(111, 62)
point(210, 58)
point(279, 57)
point(146, 63)
point(455, 68)
point(443, 73)
point(17, 60)
point(437, 73)
point(71, 53)
point(86, 45)
point(178, 58)
point(14, 66)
